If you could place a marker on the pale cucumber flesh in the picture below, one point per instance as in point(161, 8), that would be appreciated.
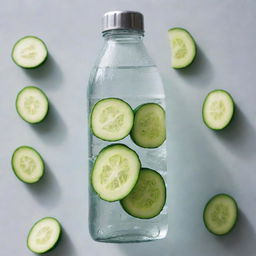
point(44, 235)
point(32, 104)
point(218, 109)
point(183, 47)
point(115, 172)
point(111, 119)
point(27, 164)
point(29, 52)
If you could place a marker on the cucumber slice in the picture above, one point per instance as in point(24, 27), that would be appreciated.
point(115, 172)
point(32, 104)
point(27, 164)
point(220, 214)
point(29, 52)
point(111, 119)
point(218, 109)
point(148, 197)
point(44, 235)
point(149, 130)
point(183, 47)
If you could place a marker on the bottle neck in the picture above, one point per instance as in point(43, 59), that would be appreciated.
point(124, 48)
point(123, 36)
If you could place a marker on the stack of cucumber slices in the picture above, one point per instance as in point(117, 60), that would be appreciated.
point(218, 107)
point(117, 174)
point(32, 106)
point(220, 213)
point(31, 102)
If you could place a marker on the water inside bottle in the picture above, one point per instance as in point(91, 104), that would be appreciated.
point(108, 221)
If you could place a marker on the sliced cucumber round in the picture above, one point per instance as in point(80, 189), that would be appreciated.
point(115, 172)
point(44, 235)
point(218, 109)
point(149, 129)
point(183, 47)
point(29, 52)
point(32, 104)
point(111, 119)
point(220, 214)
point(148, 197)
point(27, 164)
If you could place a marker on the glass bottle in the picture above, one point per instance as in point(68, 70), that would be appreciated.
point(124, 70)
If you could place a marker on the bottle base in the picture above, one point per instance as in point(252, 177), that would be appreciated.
point(125, 237)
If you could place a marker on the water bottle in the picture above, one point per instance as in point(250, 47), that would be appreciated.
point(125, 71)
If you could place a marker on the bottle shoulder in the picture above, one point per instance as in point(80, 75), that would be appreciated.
point(124, 54)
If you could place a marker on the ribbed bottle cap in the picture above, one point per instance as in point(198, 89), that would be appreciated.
point(123, 20)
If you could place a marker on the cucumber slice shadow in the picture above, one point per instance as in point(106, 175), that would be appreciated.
point(47, 190)
point(49, 75)
point(64, 246)
point(241, 240)
point(199, 72)
point(239, 136)
point(53, 129)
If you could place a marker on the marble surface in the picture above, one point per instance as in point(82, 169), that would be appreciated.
point(201, 162)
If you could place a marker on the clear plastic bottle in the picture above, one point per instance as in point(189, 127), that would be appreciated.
point(124, 70)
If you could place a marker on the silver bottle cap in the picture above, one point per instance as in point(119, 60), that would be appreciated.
point(123, 20)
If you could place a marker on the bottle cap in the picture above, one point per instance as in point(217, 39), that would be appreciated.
point(123, 20)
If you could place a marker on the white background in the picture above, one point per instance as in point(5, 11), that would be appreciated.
point(201, 162)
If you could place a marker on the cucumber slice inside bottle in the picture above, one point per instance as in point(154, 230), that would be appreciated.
point(111, 119)
point(32, 104)
point(44, 235)
point(183, 47)
point(115, 172)
point(218, 109)
point(27, 164)
point(149, 128)
point(220, 214)
point(29, 52)
point(148, 197)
